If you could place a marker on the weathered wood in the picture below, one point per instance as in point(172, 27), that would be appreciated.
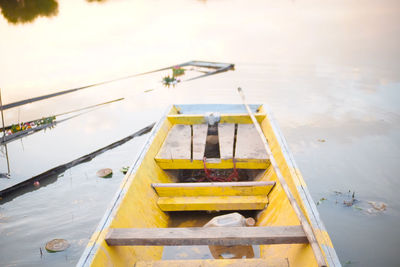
point(249, 145)
point(278, 262)
point(199, 140)
point(205, 64)
point(177, 145)
point(219, 236)
point(258, 188)
point(226, 133)
point(210, 203)
point(305, 224)
point(225, 118)
point(174, 164)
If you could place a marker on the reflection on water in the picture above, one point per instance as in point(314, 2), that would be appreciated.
point(24, 11)
point(26, 189)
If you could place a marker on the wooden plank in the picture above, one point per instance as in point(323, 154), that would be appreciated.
point(177, 145)
point(225, 118)
point(278, 262)
point(226, 134)
point(170, 164)
point(205, 64)
point(219, 236)
point(212, 203)
point(261, 188)
point(249, 144)
point(199, 140)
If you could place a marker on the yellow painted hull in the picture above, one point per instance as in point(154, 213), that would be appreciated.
point(135, 205)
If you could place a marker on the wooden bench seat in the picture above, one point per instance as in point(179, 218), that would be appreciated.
point(213, 196)
point(184, 147)
point(219, 236)
point(278, 262)
point(212, 203)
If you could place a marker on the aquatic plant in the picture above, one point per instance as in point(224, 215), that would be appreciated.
point(177, 71)
point(124, 170)
point(29, 125)
point(168, 80)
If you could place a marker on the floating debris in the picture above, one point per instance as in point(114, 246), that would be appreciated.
point(321, 200)
point(372, 208)
point(36, 184)
point(368, 207)
point(148, 90)
point(125, 169)
point(378, 206)
point(105, 173)
point(322, 140)
point(350, 202)
point(57, 245)
point(348, 199)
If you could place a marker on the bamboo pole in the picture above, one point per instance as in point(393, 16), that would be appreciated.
point(306, 226)
point(62, 168)
point(71, 111)
point(190, 63)
point(4, 135)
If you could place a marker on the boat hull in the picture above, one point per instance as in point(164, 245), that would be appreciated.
point(135, 204)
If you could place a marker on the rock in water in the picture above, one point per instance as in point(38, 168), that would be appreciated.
point(104, 173)
point(57, 245)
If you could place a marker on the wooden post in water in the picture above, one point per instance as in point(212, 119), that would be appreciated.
point(4, 134)
point(303, 220)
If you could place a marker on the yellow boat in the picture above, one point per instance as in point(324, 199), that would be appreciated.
point(200, 162)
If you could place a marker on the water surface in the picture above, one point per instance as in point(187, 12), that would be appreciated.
point(329, 71)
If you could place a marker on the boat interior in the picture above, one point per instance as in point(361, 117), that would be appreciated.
point(204, 161)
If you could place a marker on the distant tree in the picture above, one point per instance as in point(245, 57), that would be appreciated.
point(23, 11)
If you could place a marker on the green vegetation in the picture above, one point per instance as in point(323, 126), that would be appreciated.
point(177, 71)
point(29, 125)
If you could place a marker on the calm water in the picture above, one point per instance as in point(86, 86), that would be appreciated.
point(329, 71)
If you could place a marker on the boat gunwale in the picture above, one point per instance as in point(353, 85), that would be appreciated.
point(309, 206)
point(87, 255)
